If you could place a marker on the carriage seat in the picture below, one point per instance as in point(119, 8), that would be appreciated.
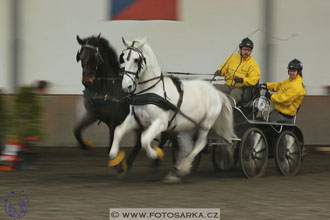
point(250, 93)
point(293, 120)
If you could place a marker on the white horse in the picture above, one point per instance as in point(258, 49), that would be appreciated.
point(202, 105)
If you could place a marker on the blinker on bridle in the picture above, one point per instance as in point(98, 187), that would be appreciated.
point(141, 60)
point(97, 54)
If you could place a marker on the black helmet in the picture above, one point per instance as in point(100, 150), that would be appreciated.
point(295, 65)
point(246, 42)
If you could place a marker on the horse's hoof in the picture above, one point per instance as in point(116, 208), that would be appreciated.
point(89, 144)
point(172, 178)
point(120, 157)
point(184, 167)
point(159, 152)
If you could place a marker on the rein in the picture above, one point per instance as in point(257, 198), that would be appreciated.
point(109, 78)
point(160, 78)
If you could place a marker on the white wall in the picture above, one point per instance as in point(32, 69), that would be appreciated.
point(310, 21)
point(5, 53)
point(208, 32)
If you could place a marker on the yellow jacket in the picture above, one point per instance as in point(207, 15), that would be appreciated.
point(246, 68)
point(289, 96)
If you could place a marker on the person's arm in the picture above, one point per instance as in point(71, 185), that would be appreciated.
point(285, 98)
point(253, 75)
point(273, 86)
point(224, 68)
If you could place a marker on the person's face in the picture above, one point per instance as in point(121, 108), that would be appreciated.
point(293, 73)
point(246, 52)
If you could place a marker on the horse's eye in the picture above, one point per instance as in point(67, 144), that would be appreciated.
point(121, 58)
point(136, 60)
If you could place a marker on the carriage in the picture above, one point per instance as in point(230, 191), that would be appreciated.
point(259, 139)
point(158, 100)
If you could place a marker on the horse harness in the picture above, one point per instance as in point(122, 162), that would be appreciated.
point(155, 99)
point(141, 98)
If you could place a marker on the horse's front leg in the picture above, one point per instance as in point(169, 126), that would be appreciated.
point(111, 125)
point(151, 133)
point(128, 125)
point(165, 136)
point(86, 121)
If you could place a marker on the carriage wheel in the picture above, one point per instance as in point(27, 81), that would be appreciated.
point(195, 163)
point(288, 153)
point(221, 158)
point(253, 153)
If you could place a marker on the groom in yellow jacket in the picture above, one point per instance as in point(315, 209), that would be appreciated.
point(240, 70)
point(290, 93)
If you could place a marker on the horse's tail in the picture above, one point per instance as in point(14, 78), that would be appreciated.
point(224, 125)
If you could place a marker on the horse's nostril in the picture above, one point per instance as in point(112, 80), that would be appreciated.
point(130, 88)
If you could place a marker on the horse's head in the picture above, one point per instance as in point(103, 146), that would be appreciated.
point(133, 64)
point(90, 57)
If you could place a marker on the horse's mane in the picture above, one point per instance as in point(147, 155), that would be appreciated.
point(111, 54)
point(152, 56)
point(110, 69)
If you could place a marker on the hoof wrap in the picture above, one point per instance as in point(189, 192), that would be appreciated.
point(159, 151)
point(117, 160)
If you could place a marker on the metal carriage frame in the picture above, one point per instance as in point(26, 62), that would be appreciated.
point(258, 140)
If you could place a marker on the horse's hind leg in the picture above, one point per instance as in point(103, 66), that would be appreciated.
point(184, 166)
point(135, 151)
point(186, 145)
point(86, 121)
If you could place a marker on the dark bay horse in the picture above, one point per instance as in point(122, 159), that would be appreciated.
point(102, 81)
point(103, 96)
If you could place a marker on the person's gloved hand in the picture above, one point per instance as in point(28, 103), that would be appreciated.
point(263, 85)
point(268, 95)
point(217, 73)
point(238, 79)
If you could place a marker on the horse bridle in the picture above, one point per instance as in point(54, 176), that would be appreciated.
point(141, 61)
point(98, 56)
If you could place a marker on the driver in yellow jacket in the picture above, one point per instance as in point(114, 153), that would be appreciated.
point(290, 93)
point(240, 70)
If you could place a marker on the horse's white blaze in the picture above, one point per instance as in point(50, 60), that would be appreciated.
point(201, 102)
point(128, 84)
